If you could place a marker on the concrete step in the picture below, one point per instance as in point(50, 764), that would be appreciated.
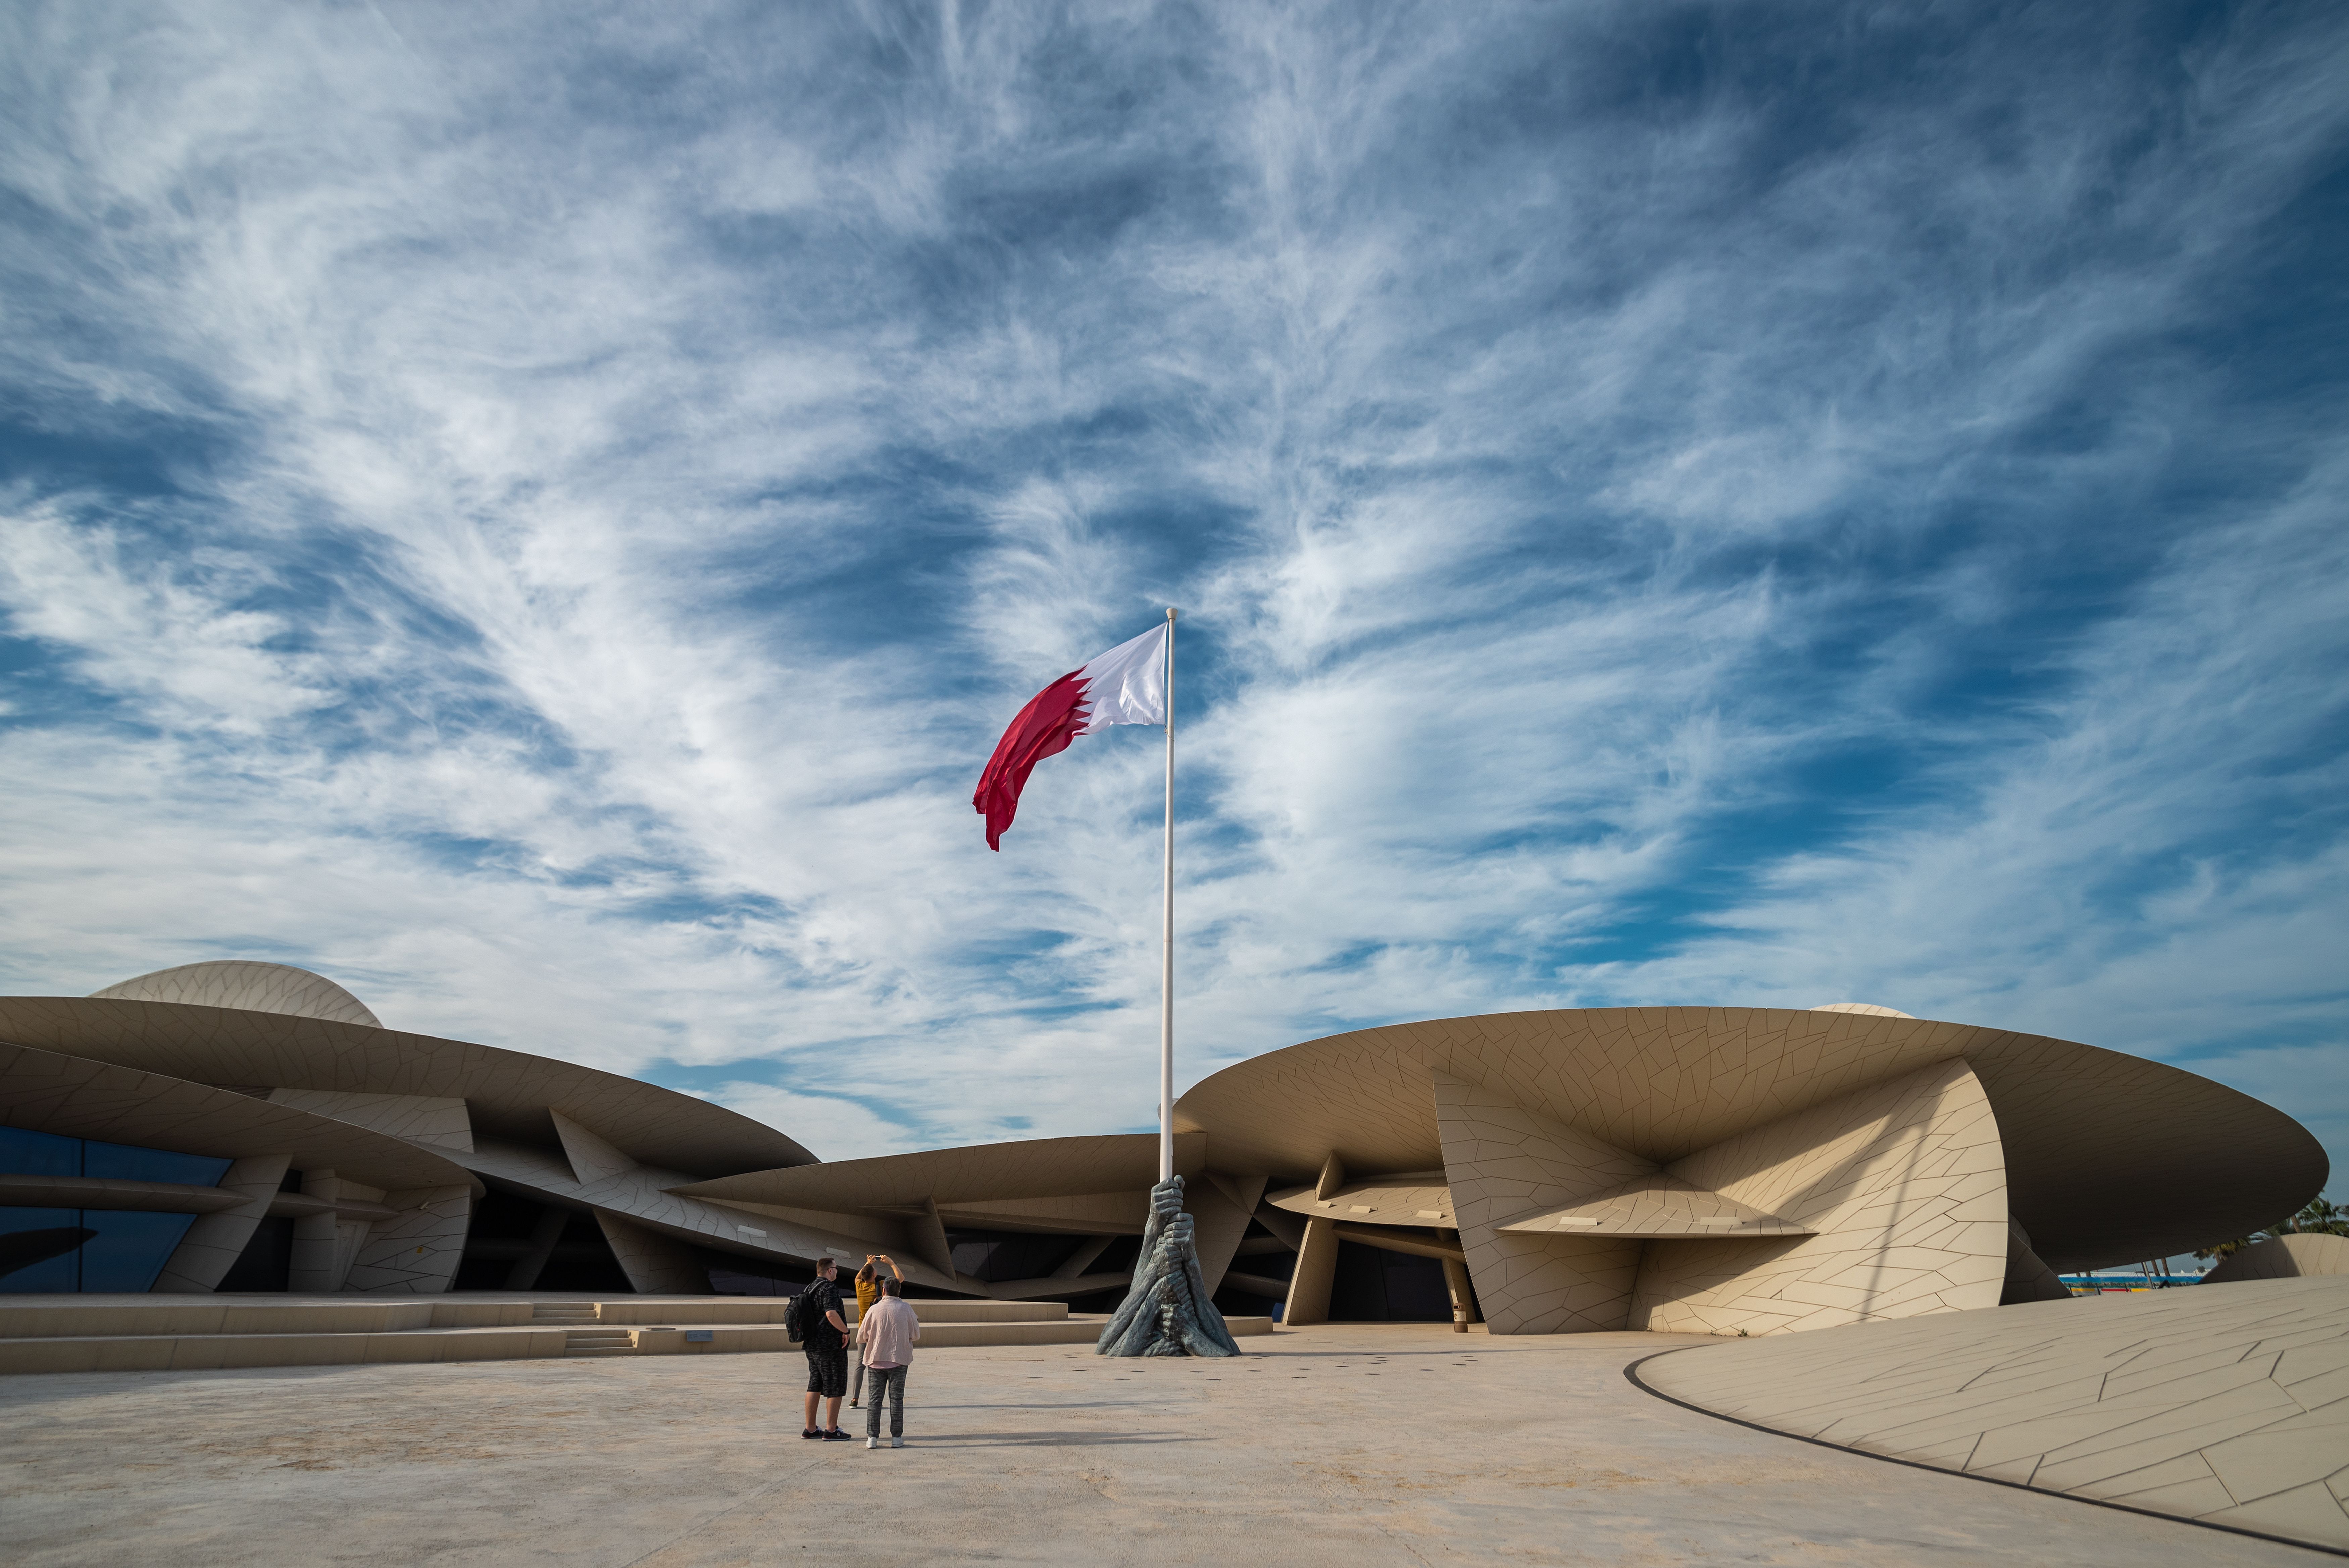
point(521, 1341)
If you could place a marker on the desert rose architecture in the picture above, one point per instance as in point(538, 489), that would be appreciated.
point(242, 1132)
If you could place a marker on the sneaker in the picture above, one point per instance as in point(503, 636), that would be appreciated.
point(836, 1436)
point(812, 1432)
point(871, 1442)
point(897, 1443)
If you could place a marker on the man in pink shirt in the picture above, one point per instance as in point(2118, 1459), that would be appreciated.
point(885, 1335)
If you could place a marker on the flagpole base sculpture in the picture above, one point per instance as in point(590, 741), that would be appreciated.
point(1167, 1312)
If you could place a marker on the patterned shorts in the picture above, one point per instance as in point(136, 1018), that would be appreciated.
point(827, 1371)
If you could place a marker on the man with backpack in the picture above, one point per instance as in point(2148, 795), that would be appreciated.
point(823, 1335)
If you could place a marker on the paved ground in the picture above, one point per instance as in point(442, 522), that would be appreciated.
point(1353, 1445)
point(2226, 1403)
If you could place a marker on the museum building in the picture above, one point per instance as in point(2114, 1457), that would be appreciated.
point(243, 1127)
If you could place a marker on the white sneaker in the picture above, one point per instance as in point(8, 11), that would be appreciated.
point(897, 1443)
point(871, 1442)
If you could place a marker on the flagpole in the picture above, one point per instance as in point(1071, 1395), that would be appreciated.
point(1166, 942)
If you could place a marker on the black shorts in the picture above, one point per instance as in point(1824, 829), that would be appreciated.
point(827, 1371)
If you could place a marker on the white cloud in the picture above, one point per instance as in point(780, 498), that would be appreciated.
point(616, 476)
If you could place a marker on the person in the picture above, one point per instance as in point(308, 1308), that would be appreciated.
point(884, 1338)
point(868, 1290)
point(824, 1336)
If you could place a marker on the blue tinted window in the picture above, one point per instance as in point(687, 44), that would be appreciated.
point(24, 1153)
point(38, 1250)
point(129, 1249)
point(122, 1162)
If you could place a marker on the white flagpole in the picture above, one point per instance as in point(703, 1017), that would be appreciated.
point(1167, 944)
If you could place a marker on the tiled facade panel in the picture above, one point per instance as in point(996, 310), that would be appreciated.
point(76, 1097)
point(1418, 1198)
point(1081, 1214)
point(1503, 1162)
point(655, 1264)
point(983, 1172)
point(215, 1242)
point(592, 1157)
point(2227, 1403)
point(2311, 1256)
point(250, 986)
point(1902, 1182)
point(506, 1092)
point(1658, 1206)
point(415, 1252)
point(2160, 1166)
point(1222, 1220)
point(434, 1119)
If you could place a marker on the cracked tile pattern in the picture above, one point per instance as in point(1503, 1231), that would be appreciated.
point(1658, 1206)
point(2229, 1405)
point(1027, 1168)
point(1901, 1183)
point(2168, 1161)
point(415, 1251)
point(250, 986)
point(1081, 1213)
point(1419, 1198)
point(506, 1093)
point(1505, 1162)
point(655, 1264)
point(209, 1248)
point(79, 1097)
point(437, 1120)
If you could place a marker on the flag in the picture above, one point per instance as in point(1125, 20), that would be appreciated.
point(1126, 684)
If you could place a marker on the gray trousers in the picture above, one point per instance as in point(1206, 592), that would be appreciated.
point(888, 1383)
point(855, 1381)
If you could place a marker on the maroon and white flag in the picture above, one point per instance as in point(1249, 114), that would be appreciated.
point(1126, 684)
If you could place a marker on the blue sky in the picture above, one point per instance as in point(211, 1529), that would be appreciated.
point(541, 513)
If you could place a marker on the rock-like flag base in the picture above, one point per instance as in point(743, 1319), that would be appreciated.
point(1167, 1312)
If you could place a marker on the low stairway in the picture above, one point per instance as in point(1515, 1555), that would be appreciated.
point(564, 1311)
point(597, 1340)
point(149, 1332)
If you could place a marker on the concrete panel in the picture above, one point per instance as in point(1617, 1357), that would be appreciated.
point(655, 1264)
point(215, 1242)
point(1506, 1163)
point(1903, 1184)
point(416, 1251)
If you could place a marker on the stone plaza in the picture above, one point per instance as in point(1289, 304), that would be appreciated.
point(1340, 1444)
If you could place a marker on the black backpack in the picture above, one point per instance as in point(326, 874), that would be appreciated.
point(794, 1323)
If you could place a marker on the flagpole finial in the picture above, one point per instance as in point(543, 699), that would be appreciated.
point(1170, 612)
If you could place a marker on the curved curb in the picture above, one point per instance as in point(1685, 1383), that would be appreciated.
point(1631, 1376)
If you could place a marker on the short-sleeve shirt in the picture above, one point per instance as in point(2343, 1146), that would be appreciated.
point(815, 1332)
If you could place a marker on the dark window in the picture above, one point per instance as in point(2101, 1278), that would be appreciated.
point(24, 1153)
point(92, 1249)
point(582, 1260)
point(267, 1261)
point(505, 1232)
point(39, 1249)
point(121, 1162)
point(1373, 1285)
point(129, 1249)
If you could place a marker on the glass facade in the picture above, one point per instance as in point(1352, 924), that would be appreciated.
point(91, 1249)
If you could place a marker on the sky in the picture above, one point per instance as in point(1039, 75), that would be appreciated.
point(540, 512)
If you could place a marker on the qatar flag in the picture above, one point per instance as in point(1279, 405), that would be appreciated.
point(1126, 684)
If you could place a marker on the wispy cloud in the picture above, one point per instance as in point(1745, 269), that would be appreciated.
point(540, 514)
